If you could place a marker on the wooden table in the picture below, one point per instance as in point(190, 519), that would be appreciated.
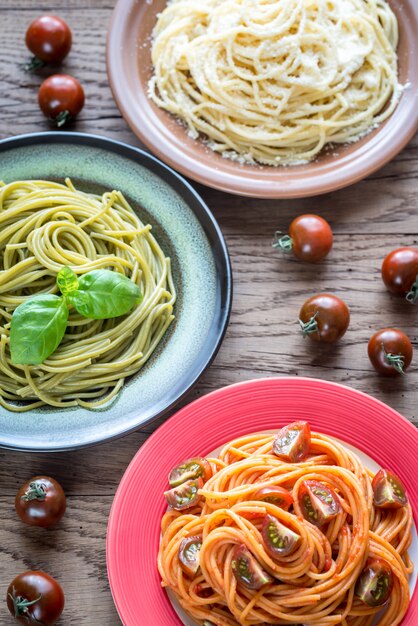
point(368, 219)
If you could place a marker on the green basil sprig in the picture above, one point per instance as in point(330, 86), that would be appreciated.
point(38, 325)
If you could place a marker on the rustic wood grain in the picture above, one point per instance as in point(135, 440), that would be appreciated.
point(369, 219)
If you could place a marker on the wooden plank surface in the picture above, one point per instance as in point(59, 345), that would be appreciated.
point(369, 219)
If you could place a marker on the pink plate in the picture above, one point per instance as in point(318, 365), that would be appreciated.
point(204, 425)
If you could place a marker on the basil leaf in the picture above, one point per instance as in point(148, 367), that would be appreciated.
point(37, 328)
point(67, 280)
point(103, 294)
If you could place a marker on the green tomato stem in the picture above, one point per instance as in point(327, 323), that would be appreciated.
point(412, 295)
point(36, 491)
point(284, 243)
point(396, 361)
point(20, 604)
point(34, 64)
point(62, 118)
point(310, 327)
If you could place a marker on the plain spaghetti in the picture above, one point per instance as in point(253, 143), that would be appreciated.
point(274, 81)
point(44, 226)
point(286, 529)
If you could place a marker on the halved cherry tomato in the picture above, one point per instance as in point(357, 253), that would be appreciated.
point(274, 495)
point(310, 237)
point(374, 585)
point(318, 502)
point(388, 491)
point(400, 273)
point(189, 554)
point(292, 442)
point(324, 317)
point(247, 570)
point(192, 468)
point(49, 39)
point(35, 598)
point(278, 539)
point(390, 352)
point(61, 98)
point(185, 495)
point(40, 502)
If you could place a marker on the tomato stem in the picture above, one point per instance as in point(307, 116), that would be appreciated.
point(309, 327)
point(396, 361)
point(36, 491)
point(284, 243)
point(20, 604)
point(412, 295)
point(62, 118)
point(34, 64)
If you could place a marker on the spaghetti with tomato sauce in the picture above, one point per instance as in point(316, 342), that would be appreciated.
point(289, 528)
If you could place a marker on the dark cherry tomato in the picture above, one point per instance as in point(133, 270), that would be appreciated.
point(41, 502)
point(400, 273)
point(185, 495)
point(247, 570)
point(310, 237)
point(292, 442)
point(318, 502)
point(388, 491)
point(278, 539)
point(189, 554)
point(324, 317)
point(197, 467)
point(49, 39)
point(61, 98)
point(35, 598)
point(374, 585)
point(390, 351)
point(274, 495)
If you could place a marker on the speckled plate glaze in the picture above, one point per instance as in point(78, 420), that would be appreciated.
point(382, 436)
point(187, 232)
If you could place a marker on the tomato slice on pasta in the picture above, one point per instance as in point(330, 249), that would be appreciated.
point(388, 491)
point(247, 570)
point(318, 502)
point(292, 442)
point(375, 583)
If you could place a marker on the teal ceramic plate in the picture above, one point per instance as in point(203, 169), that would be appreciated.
point(187, 232)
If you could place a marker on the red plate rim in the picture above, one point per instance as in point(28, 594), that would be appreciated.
point(205, 424)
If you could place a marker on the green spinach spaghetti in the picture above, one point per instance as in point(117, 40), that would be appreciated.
point(45, 226)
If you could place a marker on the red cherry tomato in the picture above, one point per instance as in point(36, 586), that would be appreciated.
point(197, 467)
point(49, 39)
point(61, 98)
point(388, 491)
point(278, 539)
point(292, 442)
point(247, 570)
point(274, 495)
point(400, 273)
point(324, 317)
point(40, 502)
point(185, 495)
point(375, 583)
point(189, 555)
point(390, 351)
point(318, 502)
point(310, 237)
point(35, 598)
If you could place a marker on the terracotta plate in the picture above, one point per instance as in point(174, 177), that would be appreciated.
point(129, 69)
point(203, 426)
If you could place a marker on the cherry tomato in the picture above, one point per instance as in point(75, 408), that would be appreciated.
point(185, 495)
point(374, 585)
point(310, 238)
point(292, 442)
point(192, 468)
point(390, 351)
point(388, 491)
point(189, 554)
point(35, 598)
point(247, 570)
point(400, 272)
point(49, 39)
point(318, 502)
point(274, 495)
point(61, 98)
point(41, 502)
point(278, 539)
point(324, 317)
